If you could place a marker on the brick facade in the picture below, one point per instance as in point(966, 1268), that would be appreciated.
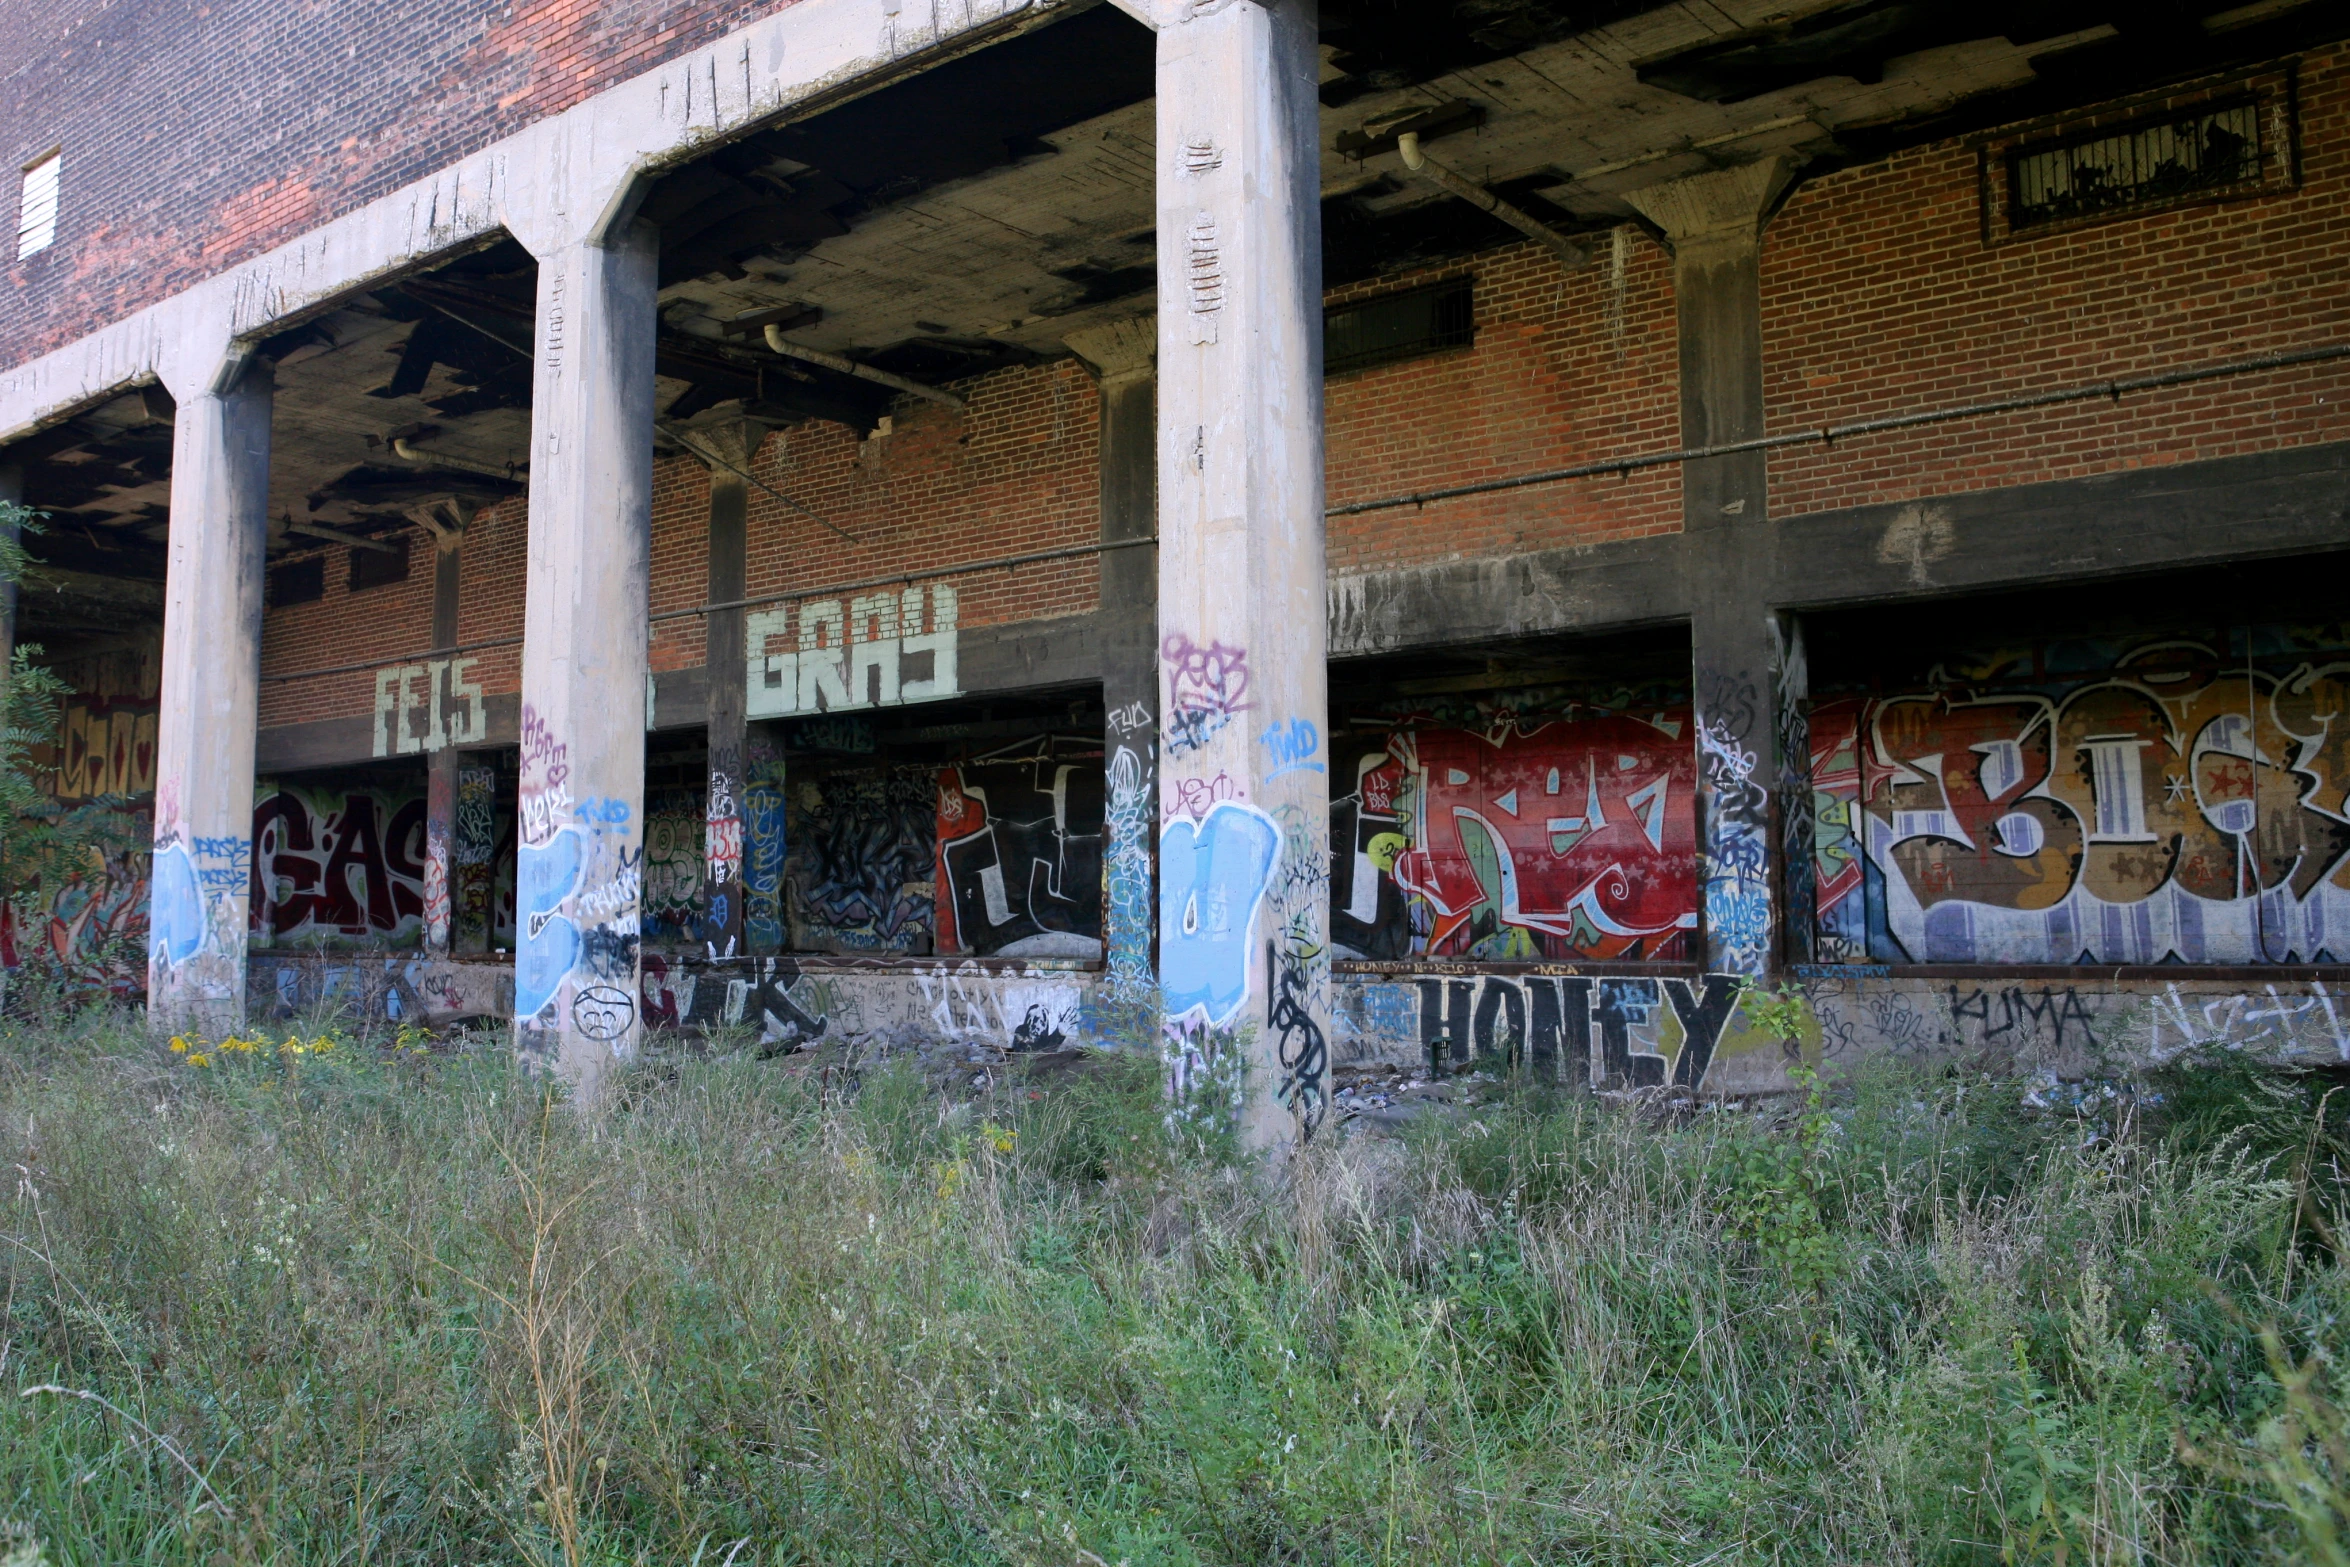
point(165, 113)
point(1879, 296)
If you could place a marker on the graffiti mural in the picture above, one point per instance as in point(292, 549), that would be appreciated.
point(676, 825)
point(1020, 857)
point(2172, 801)
point(476, 859)
point(860, 873)
point(763, 845)
point(339, 867)
point(1529, 839)
point(1130, 988)
point(89, 928)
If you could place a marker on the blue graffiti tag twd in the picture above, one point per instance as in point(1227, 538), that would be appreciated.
point(544, 877)
point(1212, 879)
point(1293, 746)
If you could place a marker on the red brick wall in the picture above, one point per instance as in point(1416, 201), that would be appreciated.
point(165, 112)
point(1567, 367)
point(1879, 297)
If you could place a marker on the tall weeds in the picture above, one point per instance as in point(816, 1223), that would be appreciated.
point(361, 1306)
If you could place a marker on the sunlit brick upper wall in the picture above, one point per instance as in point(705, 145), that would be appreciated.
point(196, 136)
point(1880, 296)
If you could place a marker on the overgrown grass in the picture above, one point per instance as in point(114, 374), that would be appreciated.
point(373, 1306)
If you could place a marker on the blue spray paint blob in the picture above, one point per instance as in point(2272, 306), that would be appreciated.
point(548, 942)
point(175, 916)
point(1212, 877)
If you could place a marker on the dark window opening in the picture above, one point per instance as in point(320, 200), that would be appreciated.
point(297, 582)
point(378, 567)
point(2226, 139)
point(1399, 326)
point(2150, 164)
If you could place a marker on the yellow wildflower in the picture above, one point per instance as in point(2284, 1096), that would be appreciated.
point(179, 1044)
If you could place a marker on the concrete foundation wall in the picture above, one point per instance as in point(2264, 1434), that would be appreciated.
point(1674, 1032)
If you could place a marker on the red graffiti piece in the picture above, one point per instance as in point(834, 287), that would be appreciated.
point(1584, 831)
point(344, 872)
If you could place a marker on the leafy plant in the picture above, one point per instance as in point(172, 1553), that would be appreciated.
point(40, 839)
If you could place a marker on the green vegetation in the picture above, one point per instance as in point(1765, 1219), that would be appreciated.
point(40, 840)
point(385, 1302)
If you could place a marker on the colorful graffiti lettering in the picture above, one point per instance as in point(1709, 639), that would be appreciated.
point(1126, 882)
point(1020, 858)
point(861, 874)
point(333, 868)
point(105, 750)
point(676, 863)
point(1568, 839)
point(1213, 875)
point(2172, 806)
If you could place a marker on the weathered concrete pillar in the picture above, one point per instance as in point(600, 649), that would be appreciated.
point(12, 493)
point(1244, 878)
point(1121, 357)
point(580, 865)
point(726, 447)
point(445, 523)
point(201, 882)
point(1714, 223)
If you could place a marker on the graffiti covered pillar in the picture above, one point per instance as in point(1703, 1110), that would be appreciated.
point(1121, 356)
point(1244, 799)
point(726, 447)
point(209, 699)
point(580, 864)
point(445, 522)
point(1714, 223)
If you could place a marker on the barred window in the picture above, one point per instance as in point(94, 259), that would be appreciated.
point(2220, 139)
point(2151, 166)
point(1399, 326)
point(36, 212)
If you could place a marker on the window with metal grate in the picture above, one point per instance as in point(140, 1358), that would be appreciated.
point(36, 211)
point(1399, 326)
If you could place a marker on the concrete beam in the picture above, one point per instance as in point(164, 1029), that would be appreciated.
point(1244, 890)
point(561, 179)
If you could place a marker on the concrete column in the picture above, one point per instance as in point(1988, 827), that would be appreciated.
point(727, 448)
point(1714, 223)
point(201, 888)
point(1244, 799)
point(442, 759)
point(580, 865)
point(1121, 357)
point(11, 493)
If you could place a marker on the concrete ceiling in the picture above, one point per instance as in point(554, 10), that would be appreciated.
point(978, 214)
